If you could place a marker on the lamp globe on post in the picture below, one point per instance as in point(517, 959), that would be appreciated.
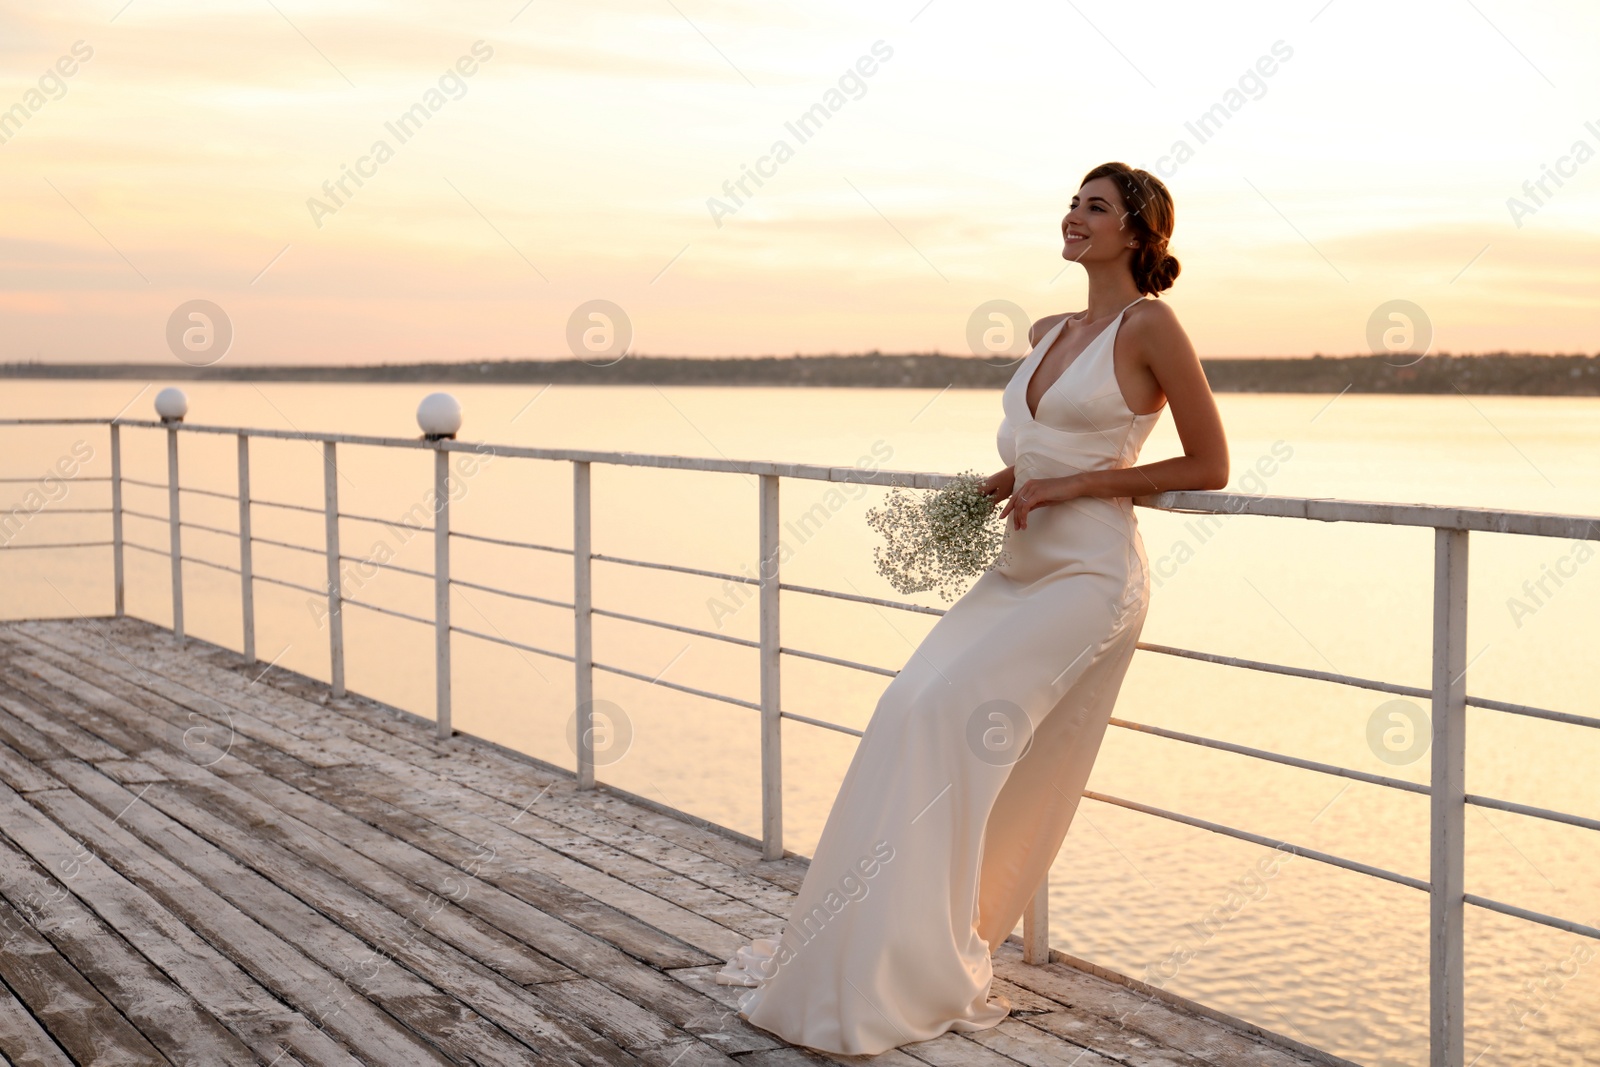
point(171, 404)
point(439, 416)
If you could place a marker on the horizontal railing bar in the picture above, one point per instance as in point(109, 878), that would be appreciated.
point(869, 668)
point(385, 611)
point(1530, 810)
point(514, 596)
point(167, 552)
point(145, 515)
point(1532, 916)
point(1294, 672)
point(57, 544)
point(38, 479)
point(1328, 509)
point(653, 565)
point(291, 585)
point(385, 522)
point(206, 492)
point(1534, 713)
point(1322, 509)
point(100, 421)
point(510, 643)
point(1275, 757)
point(187, 525)
point(387, 566)
point(1369, 683)
point(255, 502)
point(126, 480)
point(208, 563)
point(675, 685)
point(1259, 839)
point(48, 510)
point(730, 639)
point(859, 599)
point(819, 722)
point(511, 544)
point(258, 540)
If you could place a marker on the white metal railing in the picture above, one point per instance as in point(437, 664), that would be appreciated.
point(1447, 691)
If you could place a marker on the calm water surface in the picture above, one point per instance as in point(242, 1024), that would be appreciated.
point(1329, 957)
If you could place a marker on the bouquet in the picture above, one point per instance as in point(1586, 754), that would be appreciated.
point(938, 539)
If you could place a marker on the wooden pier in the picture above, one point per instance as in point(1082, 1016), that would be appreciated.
point(209, 862)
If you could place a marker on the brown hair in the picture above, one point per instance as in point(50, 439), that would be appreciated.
point(1152, 215)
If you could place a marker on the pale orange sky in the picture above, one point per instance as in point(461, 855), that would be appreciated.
point(1374, 162)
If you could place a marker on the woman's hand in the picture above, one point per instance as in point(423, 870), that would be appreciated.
point(998, 486)
point(1038, 493)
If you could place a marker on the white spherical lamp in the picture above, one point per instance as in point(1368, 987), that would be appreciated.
point(439, 415)
point(171, 404)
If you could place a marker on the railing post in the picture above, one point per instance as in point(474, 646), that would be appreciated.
point(1036, 926)
point(771, 718)
point(330, 512)
point(441, 592)
point(118, 583)
point(582, 623)
point(174, 522)
point(1447, 883)
point(247, 585)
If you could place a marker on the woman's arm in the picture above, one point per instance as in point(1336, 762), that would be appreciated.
point(1159, 343)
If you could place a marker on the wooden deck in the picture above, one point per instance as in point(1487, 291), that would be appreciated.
point(200, 866)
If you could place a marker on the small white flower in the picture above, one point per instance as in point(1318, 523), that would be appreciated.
point(938, 539)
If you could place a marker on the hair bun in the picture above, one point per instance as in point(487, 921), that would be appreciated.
point(1164, 273)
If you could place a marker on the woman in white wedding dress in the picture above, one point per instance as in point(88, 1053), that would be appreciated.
point(971, 767)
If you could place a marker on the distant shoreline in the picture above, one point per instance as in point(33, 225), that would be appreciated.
point(1493, 373)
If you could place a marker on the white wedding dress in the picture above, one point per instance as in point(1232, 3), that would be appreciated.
point(971, 767)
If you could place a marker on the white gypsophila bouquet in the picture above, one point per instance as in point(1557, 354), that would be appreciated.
point(938, 539)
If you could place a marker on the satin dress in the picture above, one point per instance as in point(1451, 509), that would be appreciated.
point(970, 770)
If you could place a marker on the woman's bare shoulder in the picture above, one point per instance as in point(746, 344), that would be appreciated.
point(1152, 324)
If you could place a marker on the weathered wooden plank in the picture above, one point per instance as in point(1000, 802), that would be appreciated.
point(138, 729)
point(20, 774)
point(635, 936)
point(560, 941)
point(1205, 1040)
point(1034, 1047)
point(252, 818)
point(462, 989)
point(25, 739)
point(129, 771)
point(60, 1000)
point(956, 1050)
point(183, 1027)
point(517, 782)
point(733, 923)
point(23, 1041)
point(205, 975)
point(632, 1027)
point(458, 810)
point(77, 741)
point(58, 690)
point(138, 686)
point(708, 887)
point(285, 965)
point(594, 914)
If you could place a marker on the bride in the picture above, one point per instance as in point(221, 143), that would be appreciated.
point(969, 772)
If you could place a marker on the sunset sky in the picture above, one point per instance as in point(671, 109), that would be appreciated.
point(1375, 161)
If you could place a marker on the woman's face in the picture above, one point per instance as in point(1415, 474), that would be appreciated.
point(1095, 229)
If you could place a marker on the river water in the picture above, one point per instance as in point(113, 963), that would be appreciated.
point(1329, 957)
